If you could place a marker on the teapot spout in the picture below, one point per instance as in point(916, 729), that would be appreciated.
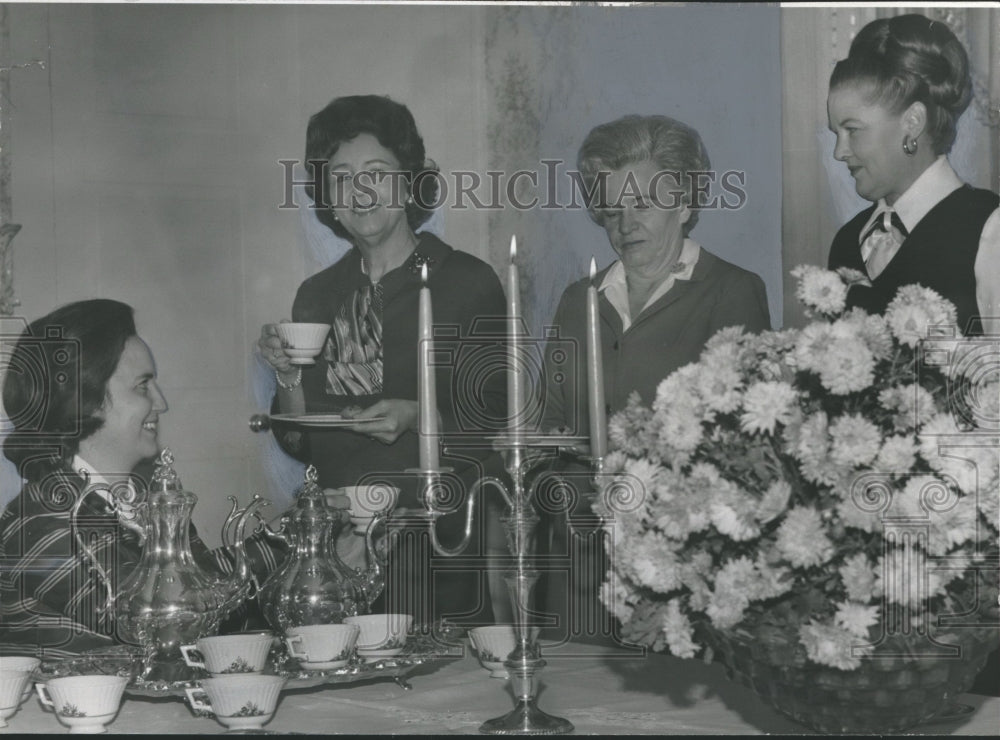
point(242, 580)
point(372, 580)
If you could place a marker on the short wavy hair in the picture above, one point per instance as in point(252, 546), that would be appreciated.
point(57, 381)
point(908, 59)
point(670, 144)
point(393, 125)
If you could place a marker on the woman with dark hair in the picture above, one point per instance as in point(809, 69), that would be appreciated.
point(894, 104)
point(82, 394)
point(378, 188)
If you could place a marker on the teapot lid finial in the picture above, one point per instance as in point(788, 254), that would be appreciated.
point(164, 475)
point(311, 475)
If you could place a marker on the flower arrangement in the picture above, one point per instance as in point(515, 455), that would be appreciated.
point(832, 481)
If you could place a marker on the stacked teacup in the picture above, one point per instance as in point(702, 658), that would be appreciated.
point(85, 704)
point(382, 635)
point(239, 694)
point(15, 684)
point(322, 647)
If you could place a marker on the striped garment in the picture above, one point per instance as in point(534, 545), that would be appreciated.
point(354, 348)
point(51, 598)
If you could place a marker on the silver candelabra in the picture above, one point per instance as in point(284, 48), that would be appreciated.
point(521, 454)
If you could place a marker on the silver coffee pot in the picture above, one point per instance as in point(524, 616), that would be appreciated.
point(168, 600)
point(314, 585)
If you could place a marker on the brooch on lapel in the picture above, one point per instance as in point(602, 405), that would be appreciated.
point(418, 260)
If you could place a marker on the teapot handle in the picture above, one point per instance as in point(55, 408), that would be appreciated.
point(95, 563)
point(373, 553)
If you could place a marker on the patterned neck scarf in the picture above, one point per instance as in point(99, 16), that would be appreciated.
point(354, 348)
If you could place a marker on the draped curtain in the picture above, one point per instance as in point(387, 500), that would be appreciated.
point(818, 193)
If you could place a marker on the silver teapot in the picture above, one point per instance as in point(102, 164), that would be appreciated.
point(314, 585)
point(168, 600)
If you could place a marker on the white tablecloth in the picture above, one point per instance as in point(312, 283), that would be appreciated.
point(601, 690)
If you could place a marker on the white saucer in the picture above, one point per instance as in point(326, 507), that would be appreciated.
point(379, 654)
point(327, 665)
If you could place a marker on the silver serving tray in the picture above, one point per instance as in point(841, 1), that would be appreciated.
point(422, 649)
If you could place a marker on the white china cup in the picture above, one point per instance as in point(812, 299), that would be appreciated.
point(302, 341)
point(382, 635)
point(226, 654)
point(322, 647)
point(25, 665)
point(12, 685)
point(493, 643)
point(85, 704)
point(238, 701)
point(367, 501)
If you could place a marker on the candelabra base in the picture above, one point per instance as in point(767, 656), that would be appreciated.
point(526, 719)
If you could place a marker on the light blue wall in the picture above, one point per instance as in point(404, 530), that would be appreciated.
point(715, 68)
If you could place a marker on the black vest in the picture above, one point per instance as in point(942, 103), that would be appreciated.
point(940, 254)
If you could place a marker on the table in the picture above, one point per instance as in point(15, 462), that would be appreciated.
point(602, 690)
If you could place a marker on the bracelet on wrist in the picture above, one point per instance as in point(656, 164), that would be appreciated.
point(292, 385)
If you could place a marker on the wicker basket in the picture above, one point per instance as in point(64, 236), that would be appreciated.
point(887, 694)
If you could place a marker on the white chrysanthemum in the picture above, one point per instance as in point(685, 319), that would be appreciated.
point(858, 514)
point(680, 430)
point(812, 450)
point(614, 594)
point(833, 646)
point(914, 310)
point(774, 501)
point(872, 329)
point(973, 467)
point(802, 538)
point(988, 503)
point(858, 577)
point(897, 456)
point(767, 404)
point(848, 366)
point(913, 405)
point(734, 584)
point(856, 440)
point(652, 562)
point(731, 337)
point(904, 577)
point(737, 525)
point(822, 290)
point(771, 581)
point(681, 386)
point(948, 518)
point(811, 346)
point(720, 386)
point(677, 631)
point(856, 618)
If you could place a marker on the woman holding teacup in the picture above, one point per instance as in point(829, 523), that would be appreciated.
point(379, 188)
point(85, 404)
point(894, 104)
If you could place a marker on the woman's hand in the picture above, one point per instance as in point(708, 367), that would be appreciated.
point(336, 499)
point(400, 416)
point(272, 349)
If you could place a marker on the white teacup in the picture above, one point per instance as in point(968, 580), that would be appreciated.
point(367, 501)
point(85, 704)
point(24, 665)
point(238, 701)
point(225, 654)
point(302, 341)
point(382, 635)
point(322, 647)
point(12, 685)
point(493, 643)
